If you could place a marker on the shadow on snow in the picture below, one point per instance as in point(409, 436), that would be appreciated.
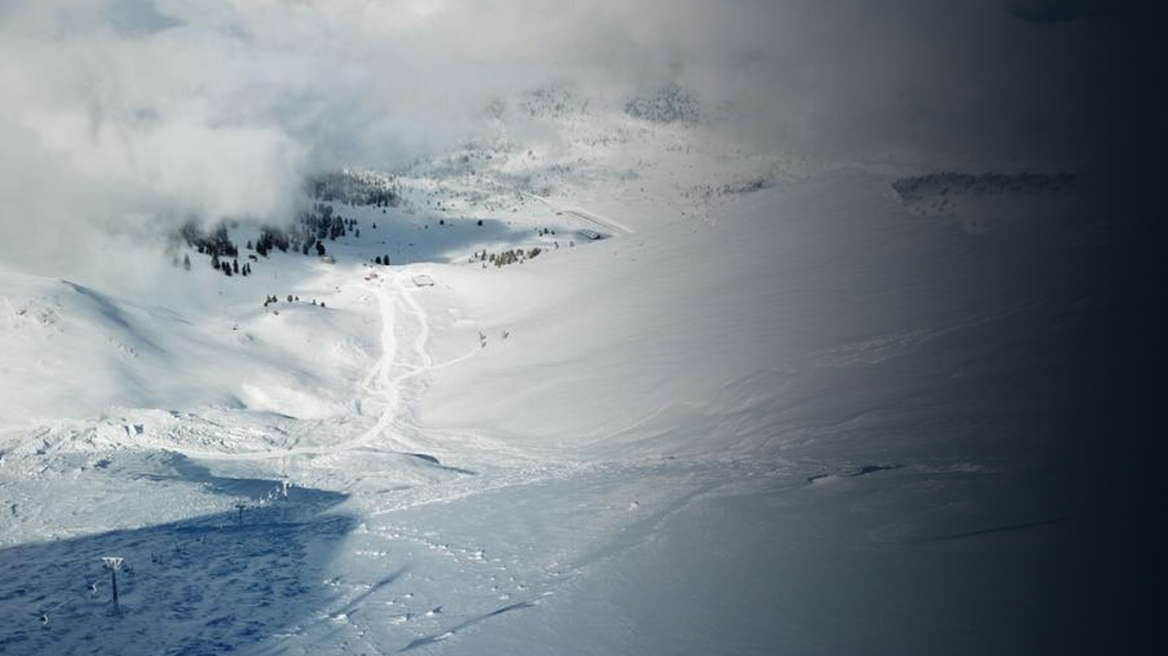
point(413, 240)
point(206, 585)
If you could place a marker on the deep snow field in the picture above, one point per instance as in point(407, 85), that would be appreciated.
point(776, 409)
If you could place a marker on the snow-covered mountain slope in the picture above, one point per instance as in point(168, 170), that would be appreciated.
point(75, 350)
point(773, 410)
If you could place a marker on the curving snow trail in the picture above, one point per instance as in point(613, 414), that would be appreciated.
point(385, 379)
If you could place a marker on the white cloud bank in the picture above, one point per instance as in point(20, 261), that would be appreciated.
point(123, 114)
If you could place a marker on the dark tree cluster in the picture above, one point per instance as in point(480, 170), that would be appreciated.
point(231, 268)
point(219, 246)
point(271, 238)
point(215, 243)
point(321, 223)
point(308, 233)
point(299, 239)
point(992, 184)
point(512, 256)
point(353, 188)
point(272, 298)
point(670, 104)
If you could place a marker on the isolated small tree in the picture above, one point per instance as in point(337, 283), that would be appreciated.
point(235, 266)
point(385, 260)
point(215, 261)
point(289, 298)
point(187, 262)
point(480, 223)
point(377, 260)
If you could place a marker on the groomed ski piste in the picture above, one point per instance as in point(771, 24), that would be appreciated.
point(775, 408)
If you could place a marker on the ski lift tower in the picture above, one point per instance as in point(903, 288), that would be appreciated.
point(114, 565)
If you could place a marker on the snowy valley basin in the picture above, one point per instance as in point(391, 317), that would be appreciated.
point(816, 416)
point(640, 328)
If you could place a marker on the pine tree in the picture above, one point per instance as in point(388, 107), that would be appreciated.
point(215, 261)
point(187, 262)
point(385, 260)
point(235, 266)
point(320, 249)
point(377, 260)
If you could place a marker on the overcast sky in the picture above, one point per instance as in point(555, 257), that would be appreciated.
point(119, 114)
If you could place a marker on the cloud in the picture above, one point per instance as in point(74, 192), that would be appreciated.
point(131, 114)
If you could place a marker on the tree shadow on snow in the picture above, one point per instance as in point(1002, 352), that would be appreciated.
point(426, 240)
point(207, 585)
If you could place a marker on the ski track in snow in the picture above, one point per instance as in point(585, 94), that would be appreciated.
point(380, 381)
point(398, 375)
